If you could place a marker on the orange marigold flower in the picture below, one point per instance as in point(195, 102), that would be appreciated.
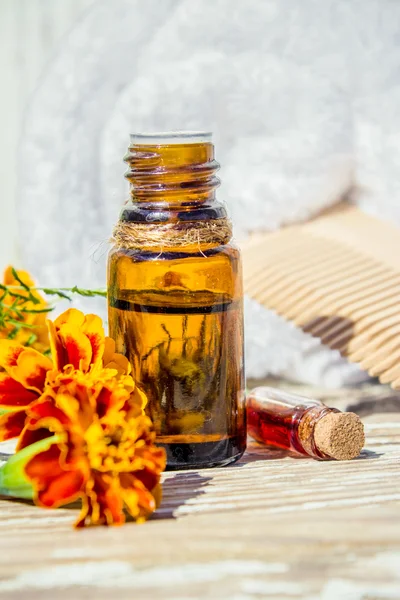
point(34, 322)
point(107, 455)
point(104, 451)
point(78, 342)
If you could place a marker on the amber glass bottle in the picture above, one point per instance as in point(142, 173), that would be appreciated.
point(175, 299)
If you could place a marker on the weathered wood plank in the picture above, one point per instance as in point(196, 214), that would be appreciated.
point(271, 526)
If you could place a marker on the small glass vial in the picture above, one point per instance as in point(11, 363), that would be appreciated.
point(175, 299)
point(302, 425)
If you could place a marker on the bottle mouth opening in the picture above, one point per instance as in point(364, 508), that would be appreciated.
point(171, 137)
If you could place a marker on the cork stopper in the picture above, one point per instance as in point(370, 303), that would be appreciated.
point(339, 435)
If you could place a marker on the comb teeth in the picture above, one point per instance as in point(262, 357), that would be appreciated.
point(338, 278)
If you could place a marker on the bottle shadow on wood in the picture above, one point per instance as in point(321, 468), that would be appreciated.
point(178, 490)
point(257, 452)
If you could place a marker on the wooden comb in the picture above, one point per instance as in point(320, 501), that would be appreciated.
point(338, 278)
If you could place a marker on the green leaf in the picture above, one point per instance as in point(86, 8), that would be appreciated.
point(55, 292)
point(17, 278)
point(31, 340)
point(74, 290)
point(21, 324)
point(90, 293)
point(12, 334)
point(60, 292)
point(10, 307)
point(36, 310)
point(15, 294)
point(33, 299)
point(13, 481)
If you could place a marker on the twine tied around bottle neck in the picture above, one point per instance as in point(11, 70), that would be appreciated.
point(136, 236)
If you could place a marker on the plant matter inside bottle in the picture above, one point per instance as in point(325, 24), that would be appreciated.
point(185, 348)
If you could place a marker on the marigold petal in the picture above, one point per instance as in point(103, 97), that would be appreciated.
point(45, 465)
point(149, 477)
point(29, 436)
point(110, 399)
point(139, 501)
point(13, 394)
point(119, 363)
point(138, 397)
point(157, 494)
point(67, 405)
point(61, 490)
point(147, 502)
point(77, 402)
point(72, 316)
point(11, 424)
point(9, 353)
point(94, 331)
point(47, 408)
point(54, 486)
point(77, 346)
point(114, 360)
point(44, 419)
point(102, 504)
point(85, 513)
point(57, 350)
point(87, 405)
point(122, 362)
point(112, 503)
point(131, 501)
point(109, 350)
point(31, 369)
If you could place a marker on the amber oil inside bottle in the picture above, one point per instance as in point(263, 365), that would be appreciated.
point(175, 302)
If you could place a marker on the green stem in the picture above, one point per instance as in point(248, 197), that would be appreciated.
point(61, 292)
point(73, 290)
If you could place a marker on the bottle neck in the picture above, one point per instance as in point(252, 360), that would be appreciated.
point(178, 175)
point(172, 185)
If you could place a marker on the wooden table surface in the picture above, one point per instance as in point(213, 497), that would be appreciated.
point(271, 526)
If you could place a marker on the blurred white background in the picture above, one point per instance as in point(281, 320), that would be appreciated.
point(30, 33)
